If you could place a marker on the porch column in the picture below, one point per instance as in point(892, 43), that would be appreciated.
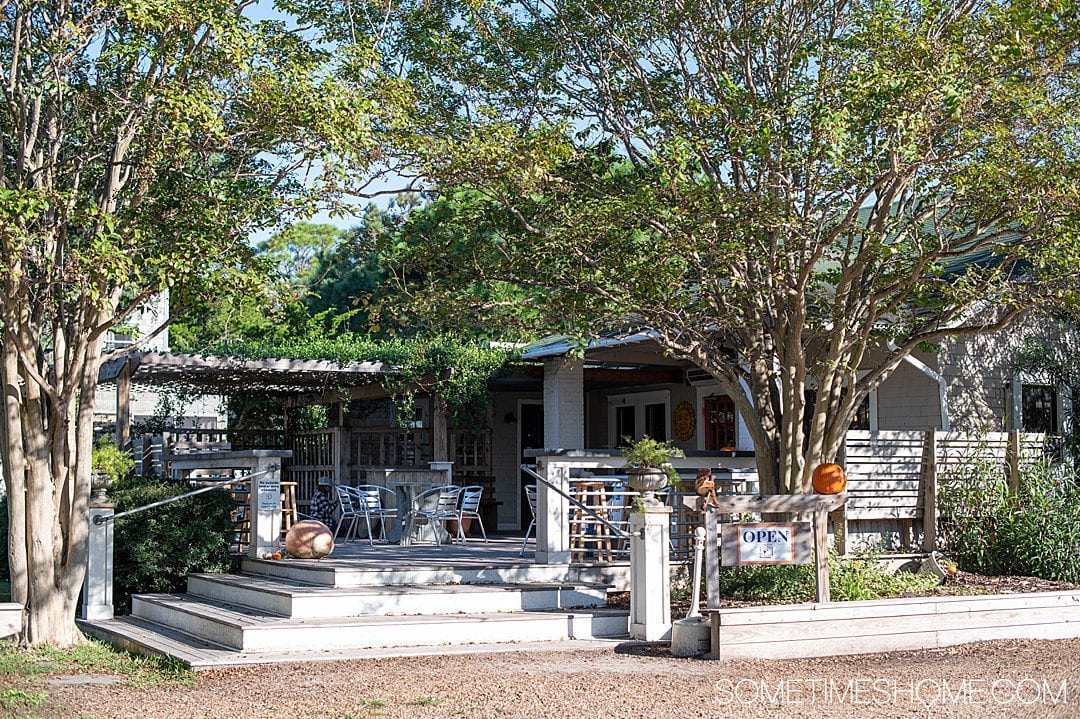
point(440, 432)
point(650, 574)
point(552, 513)
point(564, 404)
point(265, 508)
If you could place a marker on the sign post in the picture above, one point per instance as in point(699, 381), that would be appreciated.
point(768, 542)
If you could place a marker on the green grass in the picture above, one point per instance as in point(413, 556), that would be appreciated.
point(27, 666)
point(428, 702)
point(368, 708)
point(23, 672)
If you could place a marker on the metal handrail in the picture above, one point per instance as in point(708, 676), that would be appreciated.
point(619, 531)
point(100, 519)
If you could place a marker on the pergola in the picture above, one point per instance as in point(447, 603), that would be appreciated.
point(294, 381)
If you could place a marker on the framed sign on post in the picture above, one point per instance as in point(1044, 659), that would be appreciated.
point(767, 542)
point(269, 494)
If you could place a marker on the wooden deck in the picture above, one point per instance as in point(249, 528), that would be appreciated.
point(497, 551)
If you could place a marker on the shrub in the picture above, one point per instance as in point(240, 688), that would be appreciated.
point(110, 460)
point(850, 579)
point(1035, 531)
point(157, 548)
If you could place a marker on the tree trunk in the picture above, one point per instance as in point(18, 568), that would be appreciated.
point(48, 483)
point(14, 473)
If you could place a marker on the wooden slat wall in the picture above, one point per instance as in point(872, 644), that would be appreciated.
point(885, 472)
point(471, 451)
point(888, 473)
point(391, 447)
point(313, 457)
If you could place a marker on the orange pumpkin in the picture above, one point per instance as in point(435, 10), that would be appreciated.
point(829, 479)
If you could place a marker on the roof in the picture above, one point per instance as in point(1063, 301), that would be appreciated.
point(230, 375)
point(559, 345)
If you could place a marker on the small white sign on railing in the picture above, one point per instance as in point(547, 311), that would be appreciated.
point(766, 543)
point(269, 494)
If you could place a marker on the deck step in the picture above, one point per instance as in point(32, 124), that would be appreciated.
point(340, 574)
point(10, 618)
point(248, 630)
point(299, 600)
point(142, 637)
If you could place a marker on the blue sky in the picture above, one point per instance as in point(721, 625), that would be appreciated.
point(265, 10)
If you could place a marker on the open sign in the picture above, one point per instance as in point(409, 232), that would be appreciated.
point(787, 543)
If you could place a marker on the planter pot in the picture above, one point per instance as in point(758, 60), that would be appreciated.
point(99, 486)
point(648, 481)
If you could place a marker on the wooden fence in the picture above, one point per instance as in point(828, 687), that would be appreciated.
point(895, 478)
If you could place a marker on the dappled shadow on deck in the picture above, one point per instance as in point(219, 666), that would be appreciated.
point(497, 551)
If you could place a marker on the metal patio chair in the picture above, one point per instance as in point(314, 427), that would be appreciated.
point(470, 507)
point(367, 499)
point(438, 504)
point(349, 512)
point(530, 495)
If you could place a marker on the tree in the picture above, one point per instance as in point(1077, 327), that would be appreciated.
point(272, 308)
point(140, 142)
point(785, 193)
point(313, 278)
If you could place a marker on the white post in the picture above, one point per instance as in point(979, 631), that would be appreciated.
point(98, 584)
point(443, 466)
point(691, 635)
point(265, 509)
point(564, 404)
point(552, 514)
point(650, 574)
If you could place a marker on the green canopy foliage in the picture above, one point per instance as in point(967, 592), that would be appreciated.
point(141, 141)
point(791, 196)
point(454, 368)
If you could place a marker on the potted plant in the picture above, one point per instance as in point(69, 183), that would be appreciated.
point(109, 463)
point(648, 466)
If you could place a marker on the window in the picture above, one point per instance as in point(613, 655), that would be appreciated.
point(720, 423)
point(1039, 408)
point(636, 415)
point(864, 418)
point(625, 426)
point(656, 421)
point(861, 420)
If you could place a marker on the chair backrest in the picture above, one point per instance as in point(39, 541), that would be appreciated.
point(368, 496)
point(616, 502)
point(470, 498)
point(449, 498)
point(345, 499)
point(530, 494)
point(440, 498)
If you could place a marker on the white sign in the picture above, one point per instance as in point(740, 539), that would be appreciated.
point(766, 544)
point(269, 494)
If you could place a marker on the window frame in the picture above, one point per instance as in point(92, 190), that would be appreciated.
point(638, 400)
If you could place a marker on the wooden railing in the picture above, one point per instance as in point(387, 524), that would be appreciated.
point(572, 536)
point(341, 454)
point(392, 447)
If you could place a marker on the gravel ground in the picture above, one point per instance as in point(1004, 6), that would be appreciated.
point(991, 679)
